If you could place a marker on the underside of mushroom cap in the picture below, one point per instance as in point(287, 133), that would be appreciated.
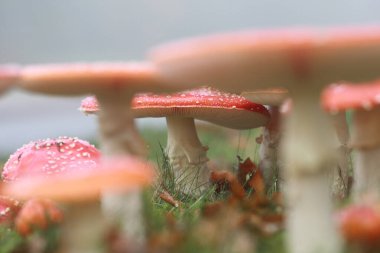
point(86, 78)
point(112, 174)
point(263, 59)
point(274, 97)
point(206, 104)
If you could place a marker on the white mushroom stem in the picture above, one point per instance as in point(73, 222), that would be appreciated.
point(83, 229)
point(187, 155)
point(118, 133)
point(268, 150)
point(340, 175)
point(119, 136)
point(308, 154)
point(341, 127)
point(366, 141)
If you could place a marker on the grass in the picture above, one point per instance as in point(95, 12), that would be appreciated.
point(192, 227)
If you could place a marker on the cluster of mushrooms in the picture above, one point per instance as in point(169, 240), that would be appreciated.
point(307, 78)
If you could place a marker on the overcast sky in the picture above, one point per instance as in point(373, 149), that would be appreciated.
point(42, 31)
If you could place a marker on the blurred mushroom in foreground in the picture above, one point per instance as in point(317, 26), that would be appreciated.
point(304, 61)
point(83, 229)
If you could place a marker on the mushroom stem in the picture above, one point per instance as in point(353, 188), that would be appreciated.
point(341, 127)
point(187, 155)
point(307, 153)
point(83, 229)
point(118, 132)
point(269, 147)
point(367, 176)
point(366, 141)
point(340, 173)
point(119, 136)
point(125, 211)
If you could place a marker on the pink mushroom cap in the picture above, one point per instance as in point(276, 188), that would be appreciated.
point(89, 105)
point(50, 156)
point(344, 96)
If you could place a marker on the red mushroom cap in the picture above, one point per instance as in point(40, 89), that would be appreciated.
point(360, 224)
point(206, 104)
point(89, 105)
point(344, 96)
point(50, 156)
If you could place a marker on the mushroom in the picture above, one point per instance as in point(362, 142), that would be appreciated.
point(83, 229)
point(303, 61)
point(365, 138)
point(9, 208)
point(47, 158)
point(186, 153)
point(114, 85)
point(268, 152)
point(360, 225)
point(9, 74)
point(37, 213)
point(339, 175)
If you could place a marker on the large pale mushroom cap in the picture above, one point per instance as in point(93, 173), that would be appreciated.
point(249, 60)
point(85, 78)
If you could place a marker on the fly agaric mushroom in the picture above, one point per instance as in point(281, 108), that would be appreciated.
point(9, 74)
point(47, 158)
point(8, 210)
point(185, 151)
point(50, 156)
point(37, 213)
point(84, 227)
point(360, 225)
point(365, 139)
point(302, 61)
point(268, 151)
point(114, 85)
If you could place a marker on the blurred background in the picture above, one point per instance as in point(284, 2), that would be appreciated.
point(47, 31)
